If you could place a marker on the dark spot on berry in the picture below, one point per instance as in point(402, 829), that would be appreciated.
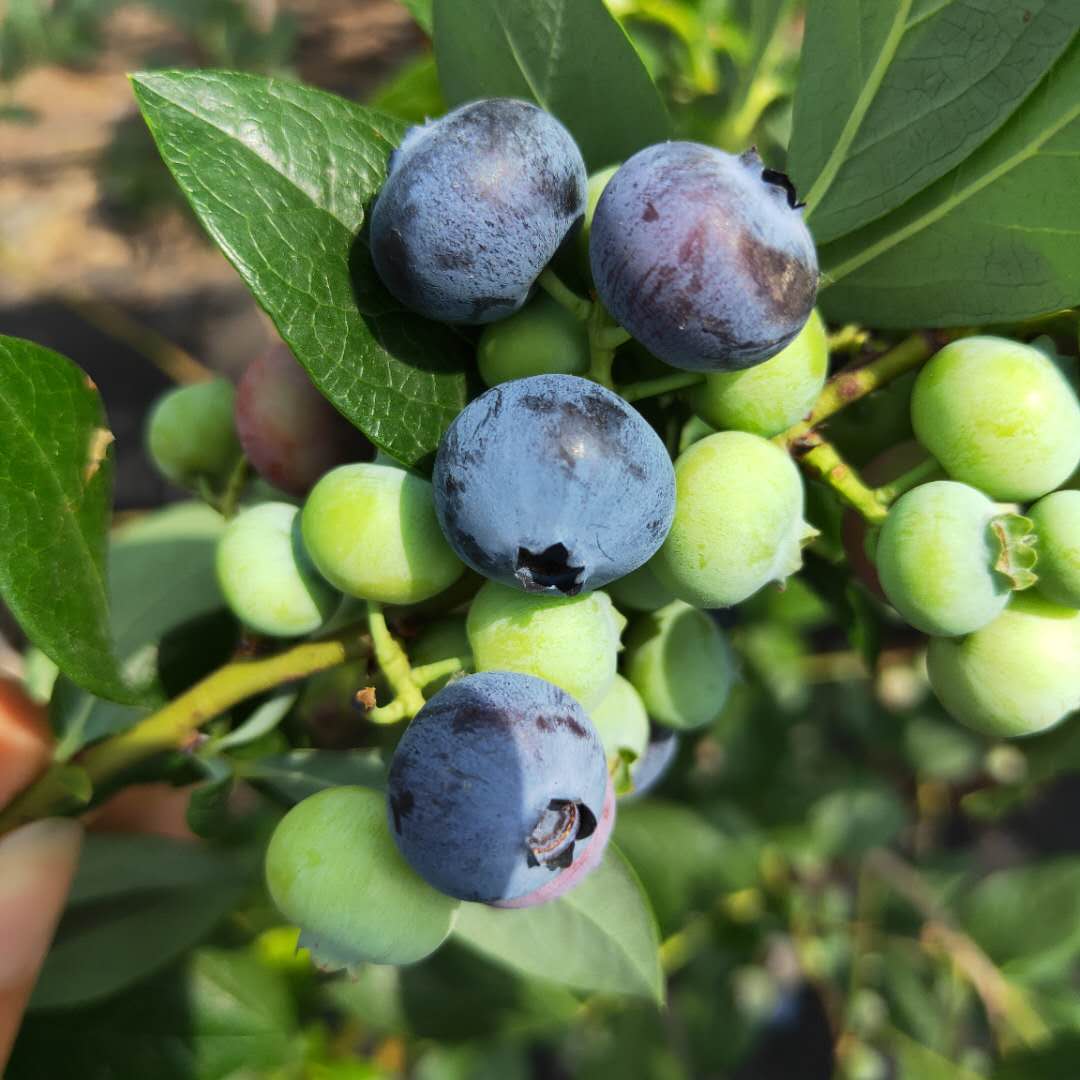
point(401, 805)
point(650, 213)
point(780, 279)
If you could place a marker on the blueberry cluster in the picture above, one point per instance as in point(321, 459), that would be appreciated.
point(548, 489)
point(987, 560)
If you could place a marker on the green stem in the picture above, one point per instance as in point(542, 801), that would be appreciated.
point(601, 351)
point(173, 725)
point(821, 460)
point(920, 474)
point(427, 673)
point(848, 387)
point(234, 488)
point(666, 384)
point(394, 662)
point(552, 284)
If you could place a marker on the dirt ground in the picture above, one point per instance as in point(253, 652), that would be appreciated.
point(79, 275)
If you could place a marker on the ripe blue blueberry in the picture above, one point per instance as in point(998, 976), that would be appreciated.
point(475, 205)
point(553, 484)
point(497, 787)
point(703, 256)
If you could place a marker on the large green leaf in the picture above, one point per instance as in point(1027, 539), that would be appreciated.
point(421, 12)
point(161, 574)
point(921, 84)
point(281, 175)
point(569, 56)
point(218, 1015)
point(996, 240)
point(300, 773)
point(998, 913)
point(600, 936)
point(137, 903)
point(55, 501)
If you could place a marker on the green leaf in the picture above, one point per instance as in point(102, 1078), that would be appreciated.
point(923, 83)
point(997, 240)
point(600, 936)
point(137, 903)
point(161, 574)
point(1053, 1062)
point(208, 808)
point(917, 1062)
point(55, 500)
point(854, 820)
point(262, 721)
point(568, 56)
point(682, 860)
point(413, 93)
point(421, 12)
point(300, 773)
point(280, 175)
point(217, 1016)
point(998, 913)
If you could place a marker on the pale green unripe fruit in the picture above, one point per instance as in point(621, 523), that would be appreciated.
point(998, 415)
point(935, 558)
point(571, 641)
point(597, 182)
point(333, 868)
point(679, 662)
point(1016, 676)
point(640, 590)
point(1057, 525)
point(542, 338)
point(372, 532)
point(770, 397)
point(738, 520)
point(268, 580)
point(622, 724)
point(190, 434)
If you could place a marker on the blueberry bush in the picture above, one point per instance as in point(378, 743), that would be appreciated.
point(630, 624)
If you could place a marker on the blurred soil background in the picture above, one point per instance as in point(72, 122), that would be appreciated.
point(99, 258)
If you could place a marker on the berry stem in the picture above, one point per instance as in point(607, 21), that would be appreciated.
point(920, 474)
point(647, 388)
point(822, 460)
point(553, 285)
point(849, 386)
point(172, 726)
point(234, 488)
point(601, 351)
point(428, 673)
point(392, 659)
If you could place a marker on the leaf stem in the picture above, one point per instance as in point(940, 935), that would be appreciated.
point(601, 349)
point(553, 285)
point(173, 725)
point(665, 384)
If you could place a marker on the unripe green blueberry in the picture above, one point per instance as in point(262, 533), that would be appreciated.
point(935, 558)
point(190, 434)
point(680, 664)
point(770, 397)
point(1057, 526)
point(333, 869)
point(571, 641)
point(268, 580)
point(542, 338)
point(640, 590)
point(738, 520)
point(441, 639)
point(1018, 675)
point(998, 415)
point(372, 532)
point(597, 182)
point(623, 725)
